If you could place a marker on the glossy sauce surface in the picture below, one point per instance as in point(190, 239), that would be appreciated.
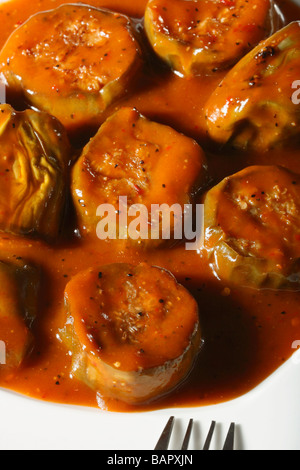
point(247, 333)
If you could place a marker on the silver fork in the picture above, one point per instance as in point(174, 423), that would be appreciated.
point(164, 440)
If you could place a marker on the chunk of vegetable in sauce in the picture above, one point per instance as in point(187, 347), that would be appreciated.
point(196, 37)
point(19, 286)
point(252, 228)
point(253, 106)
point(34, 158)
point(146, 162)
point(133, 331)
point(72, 62)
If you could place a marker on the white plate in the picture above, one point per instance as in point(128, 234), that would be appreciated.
point(268, 418)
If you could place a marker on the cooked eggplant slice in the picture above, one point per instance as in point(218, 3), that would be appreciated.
point(146, 162)
point(19, 283)
point(34, 157)
point(197, 37)
point(252, 228)
point(72, 62)
point(133, 331)
point(253, 106)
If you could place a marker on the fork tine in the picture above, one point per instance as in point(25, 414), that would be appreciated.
point(209, 436)
point(229, 443)
point(187, 438)
point(164, 440)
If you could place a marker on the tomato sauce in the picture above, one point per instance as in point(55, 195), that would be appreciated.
point(247, 333)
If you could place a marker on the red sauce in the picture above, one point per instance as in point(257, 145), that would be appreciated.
point(248, 333)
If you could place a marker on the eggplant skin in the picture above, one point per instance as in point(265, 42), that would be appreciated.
point(252, 108)
point(252, 228)
point(19, 290)
point(131, 156)
point(136, 387)
point(34, 159)
point(200, 37)
point(72, 62)
point(133, 331)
